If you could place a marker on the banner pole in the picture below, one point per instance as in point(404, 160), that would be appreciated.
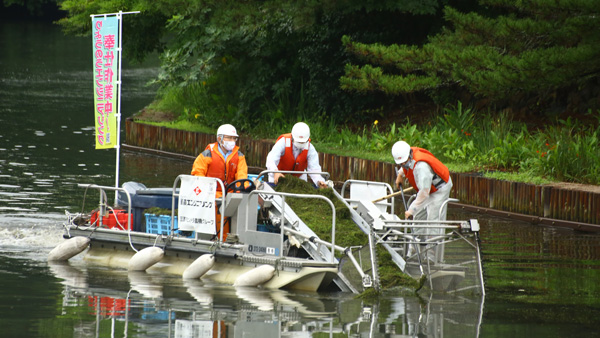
point(118, 145)
point(103, 92)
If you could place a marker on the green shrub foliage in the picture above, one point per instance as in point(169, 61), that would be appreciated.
point(243, 58)
point(506, 50)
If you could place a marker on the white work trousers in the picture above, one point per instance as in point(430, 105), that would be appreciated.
point(434, 211)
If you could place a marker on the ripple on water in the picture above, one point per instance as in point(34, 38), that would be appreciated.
point(27, 232)
point(17, 209)
point(9, 186)
point(31, 199)
point(40, 193)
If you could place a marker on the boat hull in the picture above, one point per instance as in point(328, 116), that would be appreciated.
point(115, 248)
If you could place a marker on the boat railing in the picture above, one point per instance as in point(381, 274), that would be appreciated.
point(103, 205)
point(322, 173)
point(445, 205)
point(365, 278)
point(429, 239)
point(283, 204)
point(222, 198)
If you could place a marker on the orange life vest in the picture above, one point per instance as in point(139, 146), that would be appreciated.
point(218, 168)
point(439, 169)
point(288, 162)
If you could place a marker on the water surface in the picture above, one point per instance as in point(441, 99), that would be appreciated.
point(541, 281)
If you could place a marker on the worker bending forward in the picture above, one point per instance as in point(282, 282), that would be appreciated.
point(428, 176)
point(294, 152)
point(431, 179)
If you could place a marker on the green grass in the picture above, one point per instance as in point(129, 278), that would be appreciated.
point(525, 177)
point(182, 125)
point(465, 140)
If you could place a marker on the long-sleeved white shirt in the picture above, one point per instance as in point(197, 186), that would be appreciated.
point(312, 160)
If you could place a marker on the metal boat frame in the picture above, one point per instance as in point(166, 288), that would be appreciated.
point(248, 248)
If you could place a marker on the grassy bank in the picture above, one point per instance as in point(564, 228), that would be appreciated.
point(494, 145)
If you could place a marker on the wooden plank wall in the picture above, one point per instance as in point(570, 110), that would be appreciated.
point(472, 189)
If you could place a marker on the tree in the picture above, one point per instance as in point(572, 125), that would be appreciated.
point(505, 49)
point(244, 55)
point(21, 9)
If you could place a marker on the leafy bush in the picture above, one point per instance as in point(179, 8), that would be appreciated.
point(570, 151)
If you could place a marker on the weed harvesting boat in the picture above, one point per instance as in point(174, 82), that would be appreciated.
point(263, 241)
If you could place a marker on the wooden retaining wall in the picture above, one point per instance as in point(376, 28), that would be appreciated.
point(546, 202)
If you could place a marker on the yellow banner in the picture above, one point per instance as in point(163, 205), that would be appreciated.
point(105, 41)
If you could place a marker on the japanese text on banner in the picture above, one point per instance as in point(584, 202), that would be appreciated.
point(197, 204)
point(105, 41)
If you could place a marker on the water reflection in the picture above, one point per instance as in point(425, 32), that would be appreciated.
point(143, 305)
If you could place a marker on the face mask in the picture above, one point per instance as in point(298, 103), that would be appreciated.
point(228, 145)
point(300, 146)
point(406, 165)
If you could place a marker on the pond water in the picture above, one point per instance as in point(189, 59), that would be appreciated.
point(540, 281)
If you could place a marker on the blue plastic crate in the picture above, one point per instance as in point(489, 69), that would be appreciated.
point(161, 316)
point(193, 235)
point(149, 312)
point(159, 224)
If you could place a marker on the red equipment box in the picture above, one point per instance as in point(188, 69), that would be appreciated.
point(112, 218)
point(108, 306)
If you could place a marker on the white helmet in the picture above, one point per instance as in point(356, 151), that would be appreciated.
point(227, 130)
point(301, 132)
point(400, 152)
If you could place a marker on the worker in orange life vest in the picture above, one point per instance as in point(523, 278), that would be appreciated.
point(222, 160)
point(294, 152)
point(428, 176)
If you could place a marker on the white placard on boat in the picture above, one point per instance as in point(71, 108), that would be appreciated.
point(197, 204)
